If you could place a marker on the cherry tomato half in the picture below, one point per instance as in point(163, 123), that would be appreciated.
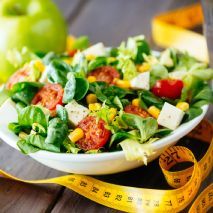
point(136, 110)
point(18, 76)
point(72, 53)
point(168, 88)
point(105, 73)
point(95, 133)
point(49, 96)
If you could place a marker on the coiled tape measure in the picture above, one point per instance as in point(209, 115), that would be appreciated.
point(186, 183)
point(132, 199)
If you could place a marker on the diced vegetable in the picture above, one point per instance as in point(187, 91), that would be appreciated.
point(141, 81)
point(170, 116)
point(76, 112)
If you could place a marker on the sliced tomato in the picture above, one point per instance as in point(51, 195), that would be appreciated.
point(95, 133)
point(49, 96)
point(168, 88)
point(18, 76)
point(72, 53)
point(105, 73)
point(136, 110)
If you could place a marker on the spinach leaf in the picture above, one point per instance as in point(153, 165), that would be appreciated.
point(82, 86)
point(39, 142)
point(57, 72)
point(162, 132)
point(97, 62)
point(146, 126)
point(121, 135)
point(57, 132)
point(204, 94)
point(192, 113)
point(112, 91)
point(114, 52)
point(24, 91)
point(69, 89)
point(93, 86)
point(15, 127)
point(62, 113)
point(97, 88)
point(142, 48)
point(25, 147)
point(20, 86)
point(32, 114)
point(149, 99)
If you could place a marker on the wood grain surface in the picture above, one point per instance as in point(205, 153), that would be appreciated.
point(109, 21)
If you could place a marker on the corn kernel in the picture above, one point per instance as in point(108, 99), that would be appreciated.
point(76, 135)
point(68, 60)
point(154, 111)
point(91, 79)
point(122, 83)
point(22, 135)
point(144, 67)
point(136, 102)
point(90, 57)
point(70, 42)
point(112, 113)
point(111, 59)
point(39, 65)
point(91, 98)
point(184, 106)
point(94, 107)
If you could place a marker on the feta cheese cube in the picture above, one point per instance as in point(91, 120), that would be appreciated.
point(170, 116)
point(76, 112)
point(96, 50)
point(141, 81)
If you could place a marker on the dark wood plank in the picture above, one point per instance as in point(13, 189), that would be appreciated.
point(19, 197)
point(113, 21)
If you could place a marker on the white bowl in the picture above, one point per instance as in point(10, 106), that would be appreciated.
point(90, 164)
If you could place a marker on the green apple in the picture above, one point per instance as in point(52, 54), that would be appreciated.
point(36, 24)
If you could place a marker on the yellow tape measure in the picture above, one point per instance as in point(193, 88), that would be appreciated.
point(132, 199)
point(172, 29)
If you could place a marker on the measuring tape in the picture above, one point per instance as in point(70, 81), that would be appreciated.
point(132, 199)
point(172, 29)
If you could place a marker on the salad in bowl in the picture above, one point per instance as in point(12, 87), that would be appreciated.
point(95, 99)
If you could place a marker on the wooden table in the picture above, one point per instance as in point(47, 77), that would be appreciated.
point(109, 21)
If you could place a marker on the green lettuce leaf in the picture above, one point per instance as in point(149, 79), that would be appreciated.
point(146, 126)
point(133, 150)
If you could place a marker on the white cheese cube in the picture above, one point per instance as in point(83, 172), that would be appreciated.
point(170, 116)
point(141, 81)
point(96, 50)
point(76, 112)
